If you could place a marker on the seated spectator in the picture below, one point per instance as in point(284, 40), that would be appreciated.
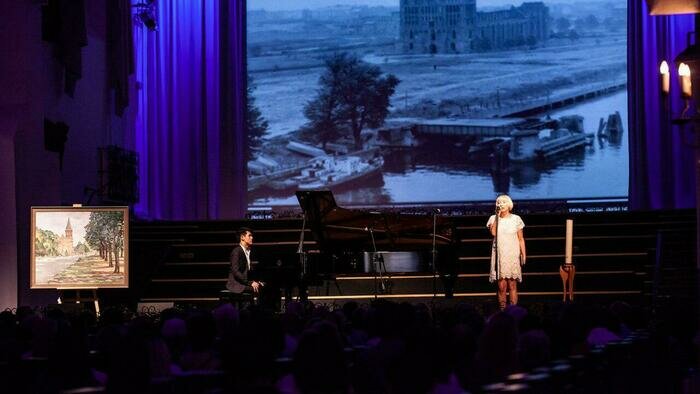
point(533, 349)
point(496, 355)
point(319, 362)
point(199, 354)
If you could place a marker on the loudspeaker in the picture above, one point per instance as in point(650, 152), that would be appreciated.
point(673, 7)
point(55, 136)
point(50, 24)
point(153, 307)
point(118, 174)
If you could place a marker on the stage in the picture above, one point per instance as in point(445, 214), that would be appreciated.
point(618, 256)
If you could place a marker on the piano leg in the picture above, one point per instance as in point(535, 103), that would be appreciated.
point(270, 296)
point(448, 281)
point(287, 294)
point(337, 286)
point(447, 269)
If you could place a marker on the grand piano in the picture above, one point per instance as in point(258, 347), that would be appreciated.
point(344, 236)
point(347, 238)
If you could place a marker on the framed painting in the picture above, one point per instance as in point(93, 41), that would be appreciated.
point(79, 247)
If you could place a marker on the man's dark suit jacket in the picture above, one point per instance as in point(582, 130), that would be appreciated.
point(238, 273)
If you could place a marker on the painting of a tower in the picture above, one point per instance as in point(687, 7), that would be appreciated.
point(65, 243)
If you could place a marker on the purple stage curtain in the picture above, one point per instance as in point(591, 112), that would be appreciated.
point(662, 172)
point(180, 133)
point(234, 181)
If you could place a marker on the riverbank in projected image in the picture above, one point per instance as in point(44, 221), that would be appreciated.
point(596, 170)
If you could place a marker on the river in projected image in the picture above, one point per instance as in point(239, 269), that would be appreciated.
point(452, 176)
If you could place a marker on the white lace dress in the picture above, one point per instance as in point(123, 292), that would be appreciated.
point(508, 248)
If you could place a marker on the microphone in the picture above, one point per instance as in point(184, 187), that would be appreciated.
point(437, 210)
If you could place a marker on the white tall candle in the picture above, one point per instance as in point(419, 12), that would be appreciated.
point(569, 241)
point(665, 77)
point(686, 86)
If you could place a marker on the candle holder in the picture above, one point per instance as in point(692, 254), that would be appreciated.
point(686, 107)
point(567, 271)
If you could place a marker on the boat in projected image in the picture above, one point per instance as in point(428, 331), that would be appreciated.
point(335, 171)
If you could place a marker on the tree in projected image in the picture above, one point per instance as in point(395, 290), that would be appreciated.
point(256, 124)
point(352, 95)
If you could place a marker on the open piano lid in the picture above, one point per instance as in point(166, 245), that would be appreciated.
point(340, 229)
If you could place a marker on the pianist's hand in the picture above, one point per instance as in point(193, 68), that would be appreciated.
point(256, 286)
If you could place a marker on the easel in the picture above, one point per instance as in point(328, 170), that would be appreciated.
point(78, 298)
point(567, 271)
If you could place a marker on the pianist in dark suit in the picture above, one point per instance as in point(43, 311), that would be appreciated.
point(240, 265)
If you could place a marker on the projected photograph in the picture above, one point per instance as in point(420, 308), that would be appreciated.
point(389, 102)
point(73, 248)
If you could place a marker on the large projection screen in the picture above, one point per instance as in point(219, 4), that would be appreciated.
point(79, 247)
point(392, 102)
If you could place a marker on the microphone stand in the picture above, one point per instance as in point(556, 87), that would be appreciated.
point(302, 261)
point(495, 244)
point(377, 260)
point(434, 252)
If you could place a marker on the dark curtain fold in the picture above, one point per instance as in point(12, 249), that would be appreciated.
point(661, 160)
point(120, 51)
point(233, 130)
point(63, 24)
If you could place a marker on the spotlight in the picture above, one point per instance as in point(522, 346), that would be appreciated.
point(147, 20)
point(146, 14)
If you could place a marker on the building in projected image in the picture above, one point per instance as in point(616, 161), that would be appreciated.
point(454, 26)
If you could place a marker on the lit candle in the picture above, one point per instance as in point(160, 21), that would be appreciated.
point(569, 241)
point(665, 77)
point(686, 87)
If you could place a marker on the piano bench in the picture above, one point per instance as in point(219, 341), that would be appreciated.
point(240, 300)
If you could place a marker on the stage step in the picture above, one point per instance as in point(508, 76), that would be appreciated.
point(613, 252)
point(415, 283)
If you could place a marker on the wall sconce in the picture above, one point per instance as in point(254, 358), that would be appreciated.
point(688, 63)
point(684, 80)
